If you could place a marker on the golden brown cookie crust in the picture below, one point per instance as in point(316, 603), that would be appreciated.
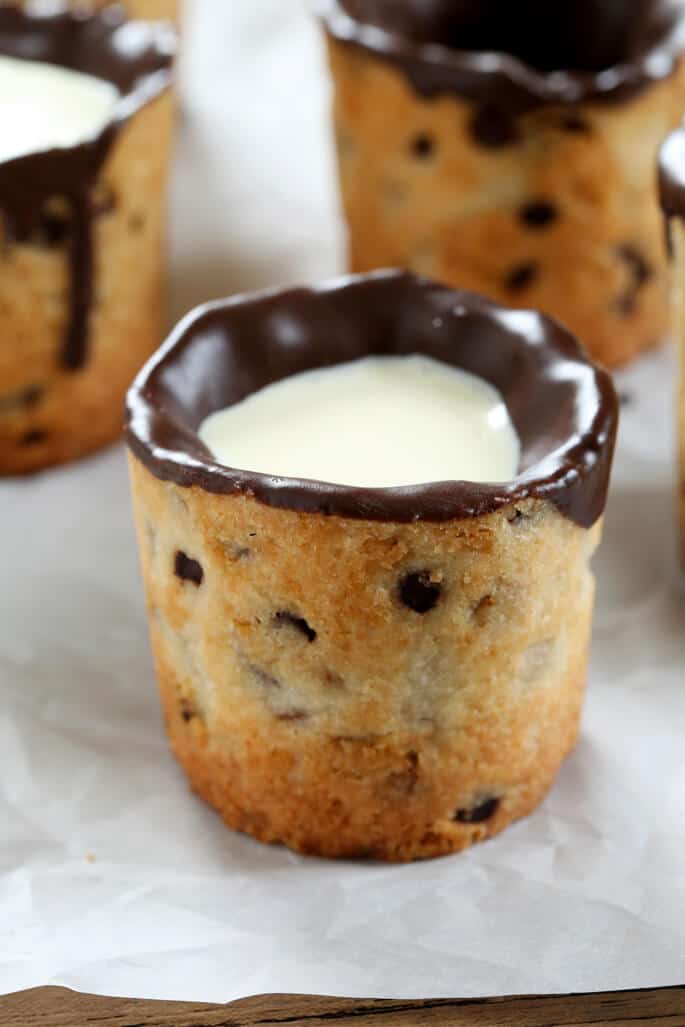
point(50, 415)
point(310, 705)
point(564, 220)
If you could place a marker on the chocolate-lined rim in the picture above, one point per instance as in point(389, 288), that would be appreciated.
point(501, 79)
point(672, 174)
point(564, 408)
point(134, 56)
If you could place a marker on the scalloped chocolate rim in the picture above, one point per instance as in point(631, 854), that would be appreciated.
point(564, 408)
point(491, 76)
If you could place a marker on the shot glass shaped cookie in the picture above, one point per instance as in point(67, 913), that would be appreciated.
point(466, 155)
point(672, 189)
point(392, 672)
point(82, 215)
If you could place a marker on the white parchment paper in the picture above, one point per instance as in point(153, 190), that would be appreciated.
point(112, 877)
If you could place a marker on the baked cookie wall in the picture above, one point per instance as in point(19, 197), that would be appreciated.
point(363, 688)
point(556, 211)
point(50, 414)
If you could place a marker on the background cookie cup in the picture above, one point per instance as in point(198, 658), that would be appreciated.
point(672, 189)
point(535, 187)
point(82, 228)
point(387, 672)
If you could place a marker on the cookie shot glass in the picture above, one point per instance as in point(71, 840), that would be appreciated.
point(359, 652)
point(672, 191)
point(467, 154)
point(84, 150)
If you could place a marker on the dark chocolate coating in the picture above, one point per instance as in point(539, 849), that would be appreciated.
point(564, 409)
point(672, 174)
point(137, 58)
point(512, 57)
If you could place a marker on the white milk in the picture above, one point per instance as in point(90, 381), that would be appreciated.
point(43, 106)
point(376, 422)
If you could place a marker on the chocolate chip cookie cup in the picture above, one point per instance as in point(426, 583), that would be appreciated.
point(497, 172)
point(672, 190)
point(82, 227)
point(397, 672)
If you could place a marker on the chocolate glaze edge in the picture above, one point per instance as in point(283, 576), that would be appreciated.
point(564, 408)
point(500, 80)
point(95, 44)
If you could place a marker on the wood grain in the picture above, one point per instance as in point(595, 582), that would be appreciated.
point(58, 1007)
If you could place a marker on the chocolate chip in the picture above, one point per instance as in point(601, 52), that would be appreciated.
point(188, 711)
point(54, 222)
point(104, 201)
point(482, 610)
point(539, 214)
point(236, 553)
point(283, 617)
point(574, 123)
point(626, 304)
point(187, 569)
point(641, 273)
point(521, 276)
point(485, 810)
point(516, 516)
point(23, 399)
point(293, 715)
point(423, 146)
point(136, 221)
point(639, 268)
point(333, 679)
point(418, 592)
point(53, 230)
point(494, 128)
point(33, 437)
point(31, 396)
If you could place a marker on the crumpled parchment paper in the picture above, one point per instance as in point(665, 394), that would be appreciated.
point(113, 878)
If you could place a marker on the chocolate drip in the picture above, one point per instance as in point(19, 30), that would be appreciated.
point(136, 57)
point(510, 58)
point(81, 265)
point(564, 409)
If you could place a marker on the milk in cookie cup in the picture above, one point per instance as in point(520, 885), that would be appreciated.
point(370, 670)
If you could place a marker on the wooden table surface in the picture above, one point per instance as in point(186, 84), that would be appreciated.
point(58, 1007)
